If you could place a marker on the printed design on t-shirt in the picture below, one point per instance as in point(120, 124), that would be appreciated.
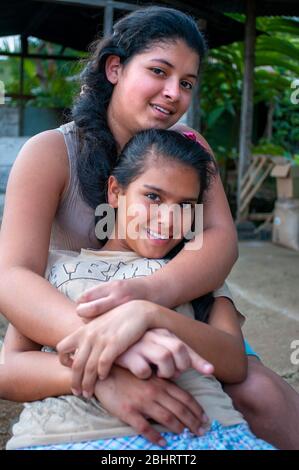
point(102, 271)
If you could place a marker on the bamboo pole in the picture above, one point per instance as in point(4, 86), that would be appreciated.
point(193, 113)
point(247, 97)
point(108, 18)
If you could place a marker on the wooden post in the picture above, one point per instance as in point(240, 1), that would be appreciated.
point(193, 113)
point(24, 52)
point(108, 18)
point(247, 96)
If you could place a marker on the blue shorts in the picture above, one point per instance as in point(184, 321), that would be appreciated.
point(249, 351)
point(237, 437)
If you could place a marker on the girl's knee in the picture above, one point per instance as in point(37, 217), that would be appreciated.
point(259, 391)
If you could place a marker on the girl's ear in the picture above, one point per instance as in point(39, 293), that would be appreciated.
point(113, 192)
point(112, 68)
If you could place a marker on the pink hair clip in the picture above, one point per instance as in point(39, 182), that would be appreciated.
point(192, 136)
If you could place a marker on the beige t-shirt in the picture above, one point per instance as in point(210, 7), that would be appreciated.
point(72, 419)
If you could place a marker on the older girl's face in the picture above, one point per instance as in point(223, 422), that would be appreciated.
point(153, 90)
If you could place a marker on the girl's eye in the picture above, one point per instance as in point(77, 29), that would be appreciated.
point(158, 71)
point(187, 85)
point(153, 197)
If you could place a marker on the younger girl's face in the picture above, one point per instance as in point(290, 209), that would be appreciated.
point(154, 89)
point(156, 210)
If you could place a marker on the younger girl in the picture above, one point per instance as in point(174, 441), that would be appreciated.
point(156, 167)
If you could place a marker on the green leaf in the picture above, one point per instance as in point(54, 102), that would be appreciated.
point(278, 45)
point(214, 115)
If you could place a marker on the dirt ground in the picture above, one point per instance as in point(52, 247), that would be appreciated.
point(264, 283)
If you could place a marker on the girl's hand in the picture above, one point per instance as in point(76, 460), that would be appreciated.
point(135, 401)
point(93, 348)
point(164, 350)
point(106, 296)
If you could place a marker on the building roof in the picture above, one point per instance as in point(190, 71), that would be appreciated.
point(76, 23)
point(263, 7)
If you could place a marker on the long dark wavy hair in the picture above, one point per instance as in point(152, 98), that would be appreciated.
point(133, 34)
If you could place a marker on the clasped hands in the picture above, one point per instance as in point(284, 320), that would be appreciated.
point(123, 330)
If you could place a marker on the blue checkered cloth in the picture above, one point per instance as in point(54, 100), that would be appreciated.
point(237, 437)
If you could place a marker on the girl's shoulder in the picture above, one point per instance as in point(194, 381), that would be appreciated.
point(51, 141)
point(45, 149)
point(41, 162)
point(192, 134)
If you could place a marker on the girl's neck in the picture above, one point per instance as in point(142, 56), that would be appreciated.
point(116, 245)
point(120, 133)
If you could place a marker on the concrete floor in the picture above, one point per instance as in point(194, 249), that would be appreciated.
point(265, 285)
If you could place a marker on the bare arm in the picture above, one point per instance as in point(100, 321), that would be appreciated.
point(37, 181)
point(220, 342)
point(29, 374)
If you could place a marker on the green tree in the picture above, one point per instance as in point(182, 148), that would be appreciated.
point(50, 83)
point(277, 65)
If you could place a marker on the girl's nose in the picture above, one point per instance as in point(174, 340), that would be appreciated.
point(172, 90)
point(166, 214)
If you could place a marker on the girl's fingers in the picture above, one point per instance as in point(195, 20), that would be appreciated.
point(165, 416)
point(65, 348)
point(96, 307)
point(179, 352)
point(94, 293)
point(106, 359)
point(184, 356)
point(116, 345)
point(162, 358)
point(143, 427)
point(185, 407)
point(135, 363)
point(200, 364)
point(90, 374)
point(68, 360)
point(80, 360)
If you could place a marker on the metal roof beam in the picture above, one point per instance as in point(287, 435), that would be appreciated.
point(40, 56)
point(97, 3)
point(38, 19)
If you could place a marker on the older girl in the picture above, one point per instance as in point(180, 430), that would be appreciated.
point(140, 77)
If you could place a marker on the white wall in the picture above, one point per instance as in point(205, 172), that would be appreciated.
point(9, 121)
point(9, 149)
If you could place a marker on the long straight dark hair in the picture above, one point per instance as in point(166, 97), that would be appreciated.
point(148, 146)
